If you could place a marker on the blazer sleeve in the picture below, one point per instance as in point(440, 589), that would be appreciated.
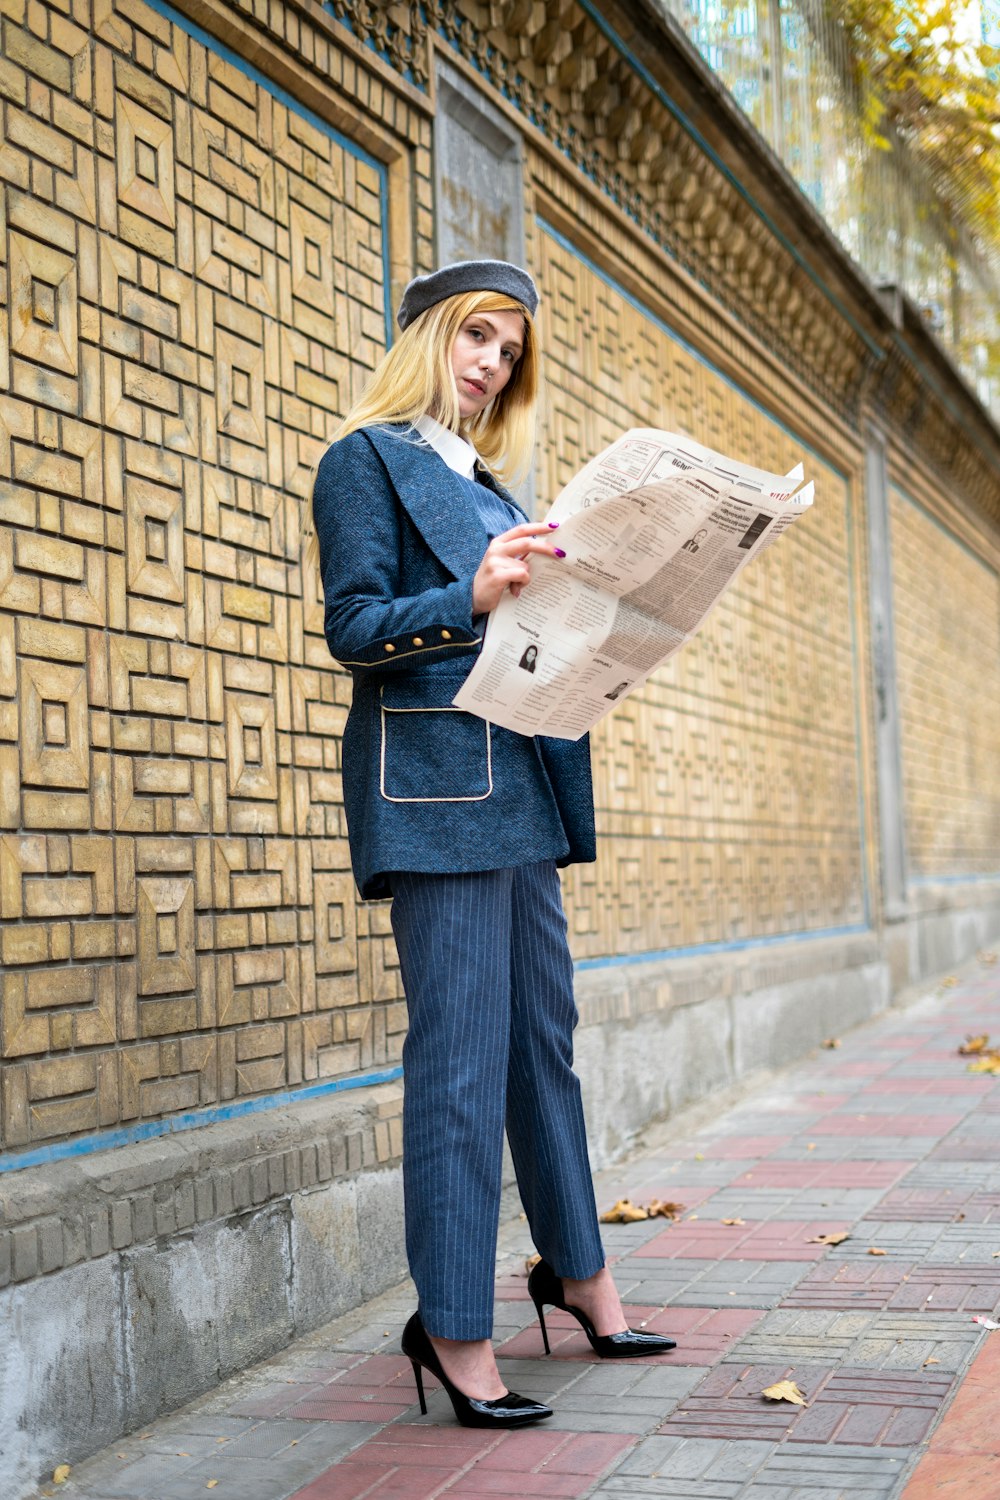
point(369, 627)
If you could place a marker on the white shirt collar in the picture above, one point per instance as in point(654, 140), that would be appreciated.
point(457, 452)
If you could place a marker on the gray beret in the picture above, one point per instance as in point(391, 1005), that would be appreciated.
point(467, 276)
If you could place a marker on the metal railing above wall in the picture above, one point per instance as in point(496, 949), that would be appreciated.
point(786, 64)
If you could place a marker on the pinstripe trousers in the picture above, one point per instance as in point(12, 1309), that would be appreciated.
point(489, 990)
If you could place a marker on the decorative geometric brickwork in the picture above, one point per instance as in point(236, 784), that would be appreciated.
point(949, 693)
point(194, 284)
point(728, 788)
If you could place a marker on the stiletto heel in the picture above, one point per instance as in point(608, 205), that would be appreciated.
point(418, 1376)
point(541, 1319)
point(503, 1411)
point(545, 1286)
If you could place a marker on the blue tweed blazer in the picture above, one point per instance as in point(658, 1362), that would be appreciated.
point(426, 786)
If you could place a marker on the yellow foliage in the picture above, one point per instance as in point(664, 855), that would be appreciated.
point(925, 81)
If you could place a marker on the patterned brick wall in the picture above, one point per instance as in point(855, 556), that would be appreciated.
point(194, 272)
point(947, 621)
point(728, 789)
point(193, 268)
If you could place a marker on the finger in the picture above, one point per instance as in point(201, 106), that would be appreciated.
point(527, 528)
point(519, 546)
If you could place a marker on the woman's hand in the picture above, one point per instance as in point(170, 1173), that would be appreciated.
point(505, 563)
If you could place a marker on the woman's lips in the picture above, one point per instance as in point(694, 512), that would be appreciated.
point(475, 385)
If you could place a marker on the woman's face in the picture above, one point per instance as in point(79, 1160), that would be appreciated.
point(487, 347)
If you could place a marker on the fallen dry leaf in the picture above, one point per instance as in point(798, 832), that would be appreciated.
point(930, 1362)
point(531, 1262)
point(949, 983)
point(973, 1044)
point(624, 1212)
point(785, 1390)
point(986, 1062)
point(831, 1042)
point(829, 1239)
point(734, 1221)
point(986, 958)
point(61, 1474)
point(658, 1210)
point(873, 1250)
point(811, 1146)
point(210, 1484)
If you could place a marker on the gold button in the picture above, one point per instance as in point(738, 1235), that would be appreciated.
point(417, 641)
point(389, 646)
point(446, 635)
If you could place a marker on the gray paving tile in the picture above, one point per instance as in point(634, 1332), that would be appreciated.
point(148, 1477)
point(797, 1334)
point(743, 1283)
point(678, 1468)
point(969, 1243)
point(790, 1203)
point(978, 1176)
point(901, 1239)
point(905, 1341)
point(838, 1471)
point(857, 1148)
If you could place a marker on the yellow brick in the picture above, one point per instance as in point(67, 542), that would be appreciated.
point(58, 472)
point(24, 945)
point(46, 554)
point(53, 898)
point(62, 1075)
point(47, 638)
point(36, 57)
point(56, 810)
point(247, 604)
point(67, 1117)
point(32, 135)
point(12, 83)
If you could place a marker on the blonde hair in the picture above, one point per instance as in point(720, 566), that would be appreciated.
point(415, 377)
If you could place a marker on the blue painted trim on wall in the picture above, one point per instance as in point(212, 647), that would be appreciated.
point(735, 945)
point(703, 145)
point(993, 879)
point(146, 1130)
point(198, 34)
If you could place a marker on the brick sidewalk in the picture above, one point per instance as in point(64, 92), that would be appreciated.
point(888, 1137)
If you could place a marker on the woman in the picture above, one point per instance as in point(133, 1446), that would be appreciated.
point(463, 823)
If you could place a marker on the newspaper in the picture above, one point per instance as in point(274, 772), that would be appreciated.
point(655, 529)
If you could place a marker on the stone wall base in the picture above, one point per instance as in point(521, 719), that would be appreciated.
point(135, 1279)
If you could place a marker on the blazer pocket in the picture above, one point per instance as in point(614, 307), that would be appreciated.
point(431, 751)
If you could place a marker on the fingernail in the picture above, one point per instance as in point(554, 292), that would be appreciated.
point(553, 525)
point(560, 552)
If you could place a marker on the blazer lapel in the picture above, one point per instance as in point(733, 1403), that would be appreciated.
point(433, 497)
point(485, 477)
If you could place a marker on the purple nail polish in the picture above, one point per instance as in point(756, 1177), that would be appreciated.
point(560, 552)
point(553, 525)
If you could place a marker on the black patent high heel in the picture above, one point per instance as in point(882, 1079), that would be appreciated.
point(503, 1411)
point(545, 1286)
